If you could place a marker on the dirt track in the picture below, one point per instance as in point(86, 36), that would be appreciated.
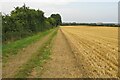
point(15, 62)
point(62, 63)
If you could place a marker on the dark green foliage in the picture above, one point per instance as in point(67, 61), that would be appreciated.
point(24, 21)
point(91, 24)
point(57, 18)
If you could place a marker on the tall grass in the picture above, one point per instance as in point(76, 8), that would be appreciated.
point(14, 47)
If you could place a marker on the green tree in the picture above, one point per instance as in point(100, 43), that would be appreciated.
point(24, 21)
point(57, 18)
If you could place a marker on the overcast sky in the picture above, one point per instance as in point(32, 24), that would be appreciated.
point(70, 10)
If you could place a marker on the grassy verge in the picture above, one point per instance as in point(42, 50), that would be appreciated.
point(14, 47)
point(37, 59)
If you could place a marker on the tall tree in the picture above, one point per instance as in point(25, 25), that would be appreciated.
point(57, 18)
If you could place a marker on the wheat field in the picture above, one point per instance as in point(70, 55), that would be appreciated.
point(95, 49)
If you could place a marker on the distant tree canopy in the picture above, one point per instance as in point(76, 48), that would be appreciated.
point(91, 24)
point(24, 21)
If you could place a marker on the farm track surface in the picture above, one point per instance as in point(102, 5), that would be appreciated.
point(15, 62)
point(62, 63)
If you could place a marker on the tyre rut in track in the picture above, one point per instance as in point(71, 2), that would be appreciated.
point(63, 63)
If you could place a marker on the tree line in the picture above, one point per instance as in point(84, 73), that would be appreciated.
point(91, 24)
point(24, 21)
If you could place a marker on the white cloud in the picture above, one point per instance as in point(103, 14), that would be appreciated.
point(59, 1)
point(69, 10)
point(43, 1)
point(47, 1)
